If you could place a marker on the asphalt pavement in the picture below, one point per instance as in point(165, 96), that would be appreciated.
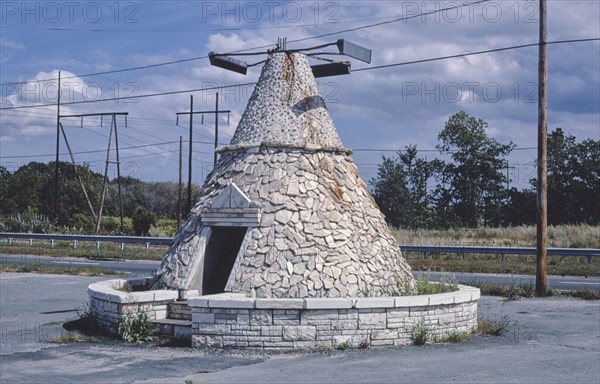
point(552, 340)
point(147, 268)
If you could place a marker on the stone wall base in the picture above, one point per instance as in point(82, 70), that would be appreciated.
point(230, 320)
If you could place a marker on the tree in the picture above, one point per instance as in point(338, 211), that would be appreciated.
point(471, 190)
point(142, 220)
point(400, 189)
point(573, 179)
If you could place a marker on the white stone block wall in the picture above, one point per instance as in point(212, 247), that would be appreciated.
point(109, 302)
point(230, 320)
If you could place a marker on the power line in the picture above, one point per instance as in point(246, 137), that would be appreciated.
point(356, 70)
point(402, 18)
point(92, 151)
point(473, 54)
point(132, 97)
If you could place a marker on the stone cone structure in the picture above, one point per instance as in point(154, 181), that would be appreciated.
point(285, 213)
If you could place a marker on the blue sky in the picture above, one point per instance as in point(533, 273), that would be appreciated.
point(381, 109)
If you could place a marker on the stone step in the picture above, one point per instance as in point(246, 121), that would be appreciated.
point(179, 310)
point(175, 328)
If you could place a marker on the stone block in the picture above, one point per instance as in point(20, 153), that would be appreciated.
point(354, 340)
point(299, 333)
point(205, 318)
point(272, 331)
point(319, 314)
point(328, 303)
point(278, 344)
point(207, 341)
point(160, 314)
point(379, 343)
point(381, 334)
point(374, 302)
point(411, 301)
point(371, 320)
point(279, 303)
point(201, 302)
point(344, 324)
point(231, 303)
point(261, 317)
point(213, 329)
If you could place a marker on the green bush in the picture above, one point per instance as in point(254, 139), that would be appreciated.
point(34, 223)
point(142, 219)
point(420, 334)
point(135, 327)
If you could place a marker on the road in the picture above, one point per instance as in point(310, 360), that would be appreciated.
point(551, 340)
point(146, 268)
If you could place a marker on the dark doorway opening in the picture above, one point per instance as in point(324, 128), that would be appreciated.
point(219, 257)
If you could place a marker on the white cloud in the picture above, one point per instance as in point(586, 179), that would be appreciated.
point(6, 43)
point(375, 109)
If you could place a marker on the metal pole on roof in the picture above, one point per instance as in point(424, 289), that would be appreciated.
point(216, 130)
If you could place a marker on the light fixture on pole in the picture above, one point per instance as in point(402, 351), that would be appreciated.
point(333, 68)
point(228, 63)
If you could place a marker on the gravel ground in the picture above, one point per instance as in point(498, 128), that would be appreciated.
point(554, 340)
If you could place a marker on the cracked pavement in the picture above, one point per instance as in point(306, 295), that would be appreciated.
point(552, 340)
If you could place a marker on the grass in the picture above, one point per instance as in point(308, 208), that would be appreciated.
point(493, 327)
point(58, 270)
point(343, 346)
point(84, 249)
point(517, 291)
point(563, 236)
point(583, 294)
point(514, 264)
point(457, 337)
point(513, 291)
point(426, 287)
point(83, 329)
point(420, 334)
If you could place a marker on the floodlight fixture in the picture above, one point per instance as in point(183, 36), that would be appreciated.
point(228, 63)
point(354, 50)
point(331, 69)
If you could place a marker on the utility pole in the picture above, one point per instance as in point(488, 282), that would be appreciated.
point(179, 202)
point(57, 150)
point(113, 126)
point(541, 286)
point(192, 113)
point(114, 123)
point(189, 187)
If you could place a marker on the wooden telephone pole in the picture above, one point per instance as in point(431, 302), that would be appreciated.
point(541, 285)
point(192, 113)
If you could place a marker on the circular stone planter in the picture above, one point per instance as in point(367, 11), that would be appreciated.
point(111, 300)
point(234, 320)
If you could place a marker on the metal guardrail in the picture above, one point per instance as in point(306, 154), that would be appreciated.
point(425, 249)
point(502, 251)
point(91, 238)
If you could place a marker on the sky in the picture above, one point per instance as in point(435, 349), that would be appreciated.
point(135, 49)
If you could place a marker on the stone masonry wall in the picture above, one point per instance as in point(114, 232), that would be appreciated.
point(110, 303)
point(227, 320)
point(321, 233)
